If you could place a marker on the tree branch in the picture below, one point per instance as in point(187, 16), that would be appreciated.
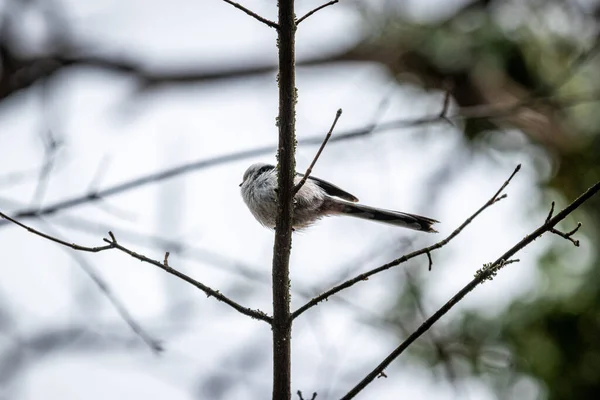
point(112, 244)
point(256, 314)
point(265, 21)
point(54, 239)
point(476, 112)
point(299, 393)
point(308, 14)
point(486, 273)
point(314, 161)
point(568, 235)
point(564, 235)
point(427, 250)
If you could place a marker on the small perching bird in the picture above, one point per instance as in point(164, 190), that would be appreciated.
point(315, 199)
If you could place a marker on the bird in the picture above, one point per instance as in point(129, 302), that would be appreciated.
point(316, 199)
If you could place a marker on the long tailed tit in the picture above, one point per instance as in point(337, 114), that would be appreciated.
point(315, 199)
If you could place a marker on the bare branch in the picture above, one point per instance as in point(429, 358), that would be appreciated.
point(484, 275)
point(54, 239)
point(445, 105)
point(338, 114)
point(429, 259)
point(256, 314)
point(365, 276)
point(315, 10)
point(551, 212)
point(444, 111)
point(568, 235)
point(112, 244)
point(477, 112)
point(299, 393)
point(265, 21)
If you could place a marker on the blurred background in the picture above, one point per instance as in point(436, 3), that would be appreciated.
point(148, 113)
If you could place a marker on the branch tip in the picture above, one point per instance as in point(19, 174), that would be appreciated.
point(308, 14)
point(503, 196)
point(444, 111)
point(567, 235)
point(254, 15)
point(550, 213)
point(296, 188)
point(429, 259)
point(570, 233)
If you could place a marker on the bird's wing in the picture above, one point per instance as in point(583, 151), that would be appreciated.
point(332, 190)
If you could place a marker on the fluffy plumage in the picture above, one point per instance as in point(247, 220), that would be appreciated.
point(315, 199)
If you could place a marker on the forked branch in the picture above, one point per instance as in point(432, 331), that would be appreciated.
point(256, 314)
point(427, 251)
point(565, 235)
point(113, 244)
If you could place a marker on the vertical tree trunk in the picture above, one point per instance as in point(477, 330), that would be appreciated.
point(282, 324)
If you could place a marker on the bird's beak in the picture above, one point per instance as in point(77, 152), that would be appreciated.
point(241, 184)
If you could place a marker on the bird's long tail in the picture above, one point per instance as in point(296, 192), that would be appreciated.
point(397, 218)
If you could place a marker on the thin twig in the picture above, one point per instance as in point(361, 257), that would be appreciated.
point(256, 314)
point(338, 114)
point(299, 393)
point(568, 235)
point(551, 212)
point(444, 111)
point(253, 14)
point(430, 262)
point(475, 112)
point(365, 276)
point(308, 14)
point(54, 239)
point(479, 278)
point(112, 244)
point(445, 105)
